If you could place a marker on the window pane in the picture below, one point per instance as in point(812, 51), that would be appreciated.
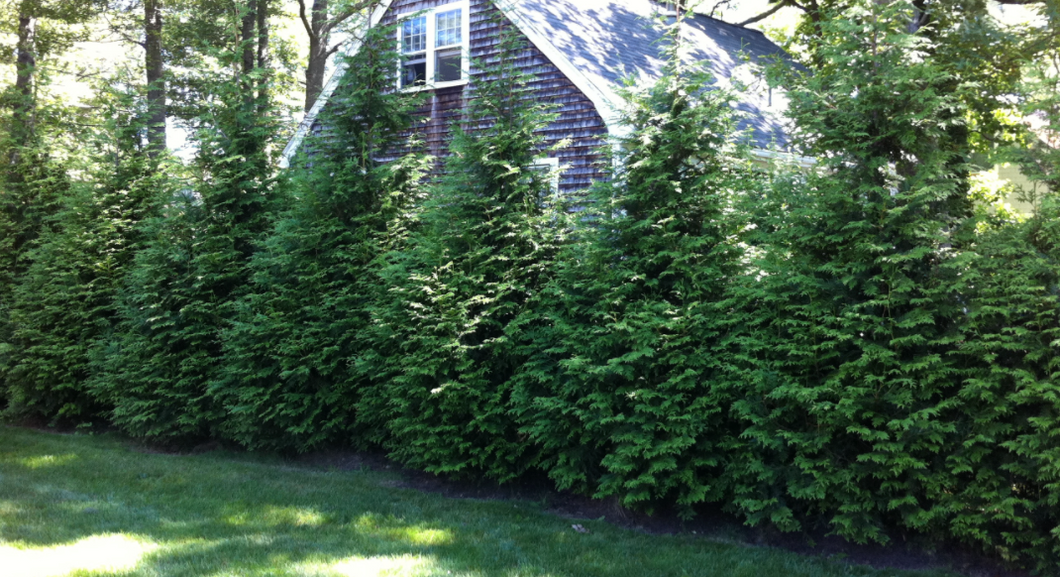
point(414, 35)
point(449, 29)
point(413, 73)
point(447, 65)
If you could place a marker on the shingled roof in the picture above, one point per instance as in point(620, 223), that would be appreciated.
point(600, 43)
point(610, 40)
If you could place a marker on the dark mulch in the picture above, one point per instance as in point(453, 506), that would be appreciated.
point(710, 523)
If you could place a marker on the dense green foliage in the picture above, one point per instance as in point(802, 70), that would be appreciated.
point(289, 383)
point(31, 186)
point(1004, 488)
point(461, 286)
point(859, 301)
point(1007, 493)
point(34, 171)
point(64, 303)
point(895, 381)
point(158, 367)
point(850, 347)
point(624, 389)
point(33, 182)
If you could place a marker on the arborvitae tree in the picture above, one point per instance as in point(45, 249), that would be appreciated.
point(849, 406)
point(65, 301)
point(33, 183)
point(288, 382)
point(459, 288)
point(1003, 479)
point(152, 368)
point(1006, 474)
point(167, 350)
point(30, 194)
point(623, 389)
point(31, 180)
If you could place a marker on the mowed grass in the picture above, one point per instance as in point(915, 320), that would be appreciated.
point(83, 505)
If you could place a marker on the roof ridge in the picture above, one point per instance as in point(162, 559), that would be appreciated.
point(594, 69)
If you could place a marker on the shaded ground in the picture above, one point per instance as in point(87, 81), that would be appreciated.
point(712, 523)
point(101, 504)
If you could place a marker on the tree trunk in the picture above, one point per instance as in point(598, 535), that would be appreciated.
point(263, 32)
point(314, 75)
point(263, 50)
point(319, 26)
point(25, 70)
point(156, 86)
point(318, 54)
point(248, 37)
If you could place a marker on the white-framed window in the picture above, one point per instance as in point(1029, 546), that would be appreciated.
point(434, 47)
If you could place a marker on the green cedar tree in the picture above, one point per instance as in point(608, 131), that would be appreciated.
point(849, 408)
point(288, 382)
point(624, 389)
point(65, 301)
point(33, 183)
point(157, 369)
point(1006, 493)
point(1003, 484)
point(464, 281)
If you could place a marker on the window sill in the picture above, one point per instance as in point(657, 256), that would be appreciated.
point(435, 86)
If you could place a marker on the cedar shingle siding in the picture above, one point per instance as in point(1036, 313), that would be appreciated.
point(596, 45)
point(579, 122)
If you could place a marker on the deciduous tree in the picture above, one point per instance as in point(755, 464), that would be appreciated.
point(321, 20)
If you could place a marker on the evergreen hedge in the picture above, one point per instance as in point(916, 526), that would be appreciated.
point(624, 391)
point(1005, 473)
point(850, 406)
point(65, 301)
point(461, 285)
point(843, 347)
point(33, 184)
point(157, 368)
point(289, 383)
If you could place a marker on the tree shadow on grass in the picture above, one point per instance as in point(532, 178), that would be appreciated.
point(200, 515)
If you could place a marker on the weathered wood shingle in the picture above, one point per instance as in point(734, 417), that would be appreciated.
point(594, 47)
point(578, 122)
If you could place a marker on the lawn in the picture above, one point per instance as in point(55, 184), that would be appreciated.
point(84, 505)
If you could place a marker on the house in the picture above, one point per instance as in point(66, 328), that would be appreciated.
point(579, 52)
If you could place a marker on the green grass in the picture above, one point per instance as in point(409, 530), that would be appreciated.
point(83, 505)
